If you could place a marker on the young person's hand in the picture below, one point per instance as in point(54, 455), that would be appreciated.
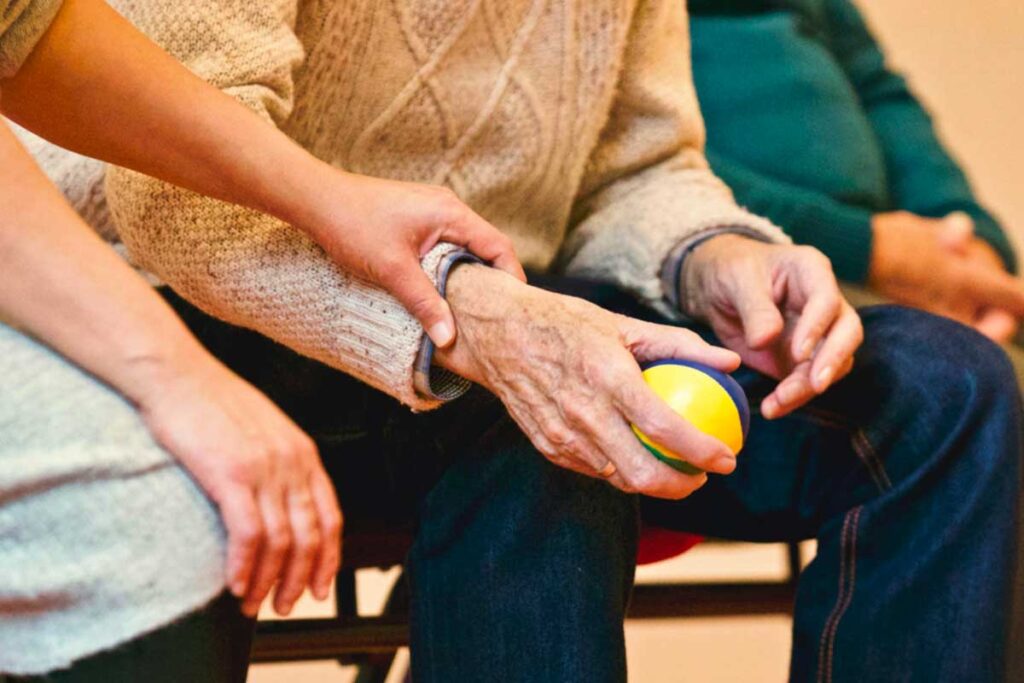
point(150, 114)
point(263, 473)
point(939, 266)
point(380, 229)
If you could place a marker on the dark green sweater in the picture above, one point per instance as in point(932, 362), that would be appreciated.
point(810, 128)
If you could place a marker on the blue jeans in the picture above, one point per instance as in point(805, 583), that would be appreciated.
point(907, 473)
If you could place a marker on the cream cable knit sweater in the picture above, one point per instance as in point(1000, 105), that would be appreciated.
point(572, 125)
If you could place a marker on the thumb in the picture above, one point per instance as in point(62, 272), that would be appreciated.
point(956, 231)
point(420, 297)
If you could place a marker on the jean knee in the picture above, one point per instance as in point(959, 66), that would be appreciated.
point(930, 355)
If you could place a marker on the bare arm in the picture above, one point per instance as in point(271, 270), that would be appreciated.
point(63, 285)
point(96, 85)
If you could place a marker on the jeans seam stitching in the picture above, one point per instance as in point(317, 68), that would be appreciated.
point(838, 609)
point(862, 445)
point(849, 593)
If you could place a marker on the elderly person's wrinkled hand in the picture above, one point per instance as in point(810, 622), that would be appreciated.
point(779, 307)
point(568, 373)
point(939, 266)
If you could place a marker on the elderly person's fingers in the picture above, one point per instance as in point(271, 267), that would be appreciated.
point(955, 232)
point(993, 289)
point(792, 392)
point(608, 448)
point(759, 314)
point(838, 347)
point(998, 325)
point(823, 307)
point(666, 429)
point(649, 342)
point(832, 362)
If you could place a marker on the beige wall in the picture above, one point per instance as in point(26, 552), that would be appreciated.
point(966, 59)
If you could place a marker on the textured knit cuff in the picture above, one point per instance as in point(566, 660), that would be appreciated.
point(432, 382)
point(22, 24)
point(672, 268)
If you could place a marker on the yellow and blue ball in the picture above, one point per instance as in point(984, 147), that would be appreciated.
point(710, 400)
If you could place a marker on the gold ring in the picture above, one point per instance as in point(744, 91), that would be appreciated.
point(608, 470)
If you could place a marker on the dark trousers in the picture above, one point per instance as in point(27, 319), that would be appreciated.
point(907, 473)
point(209, 646)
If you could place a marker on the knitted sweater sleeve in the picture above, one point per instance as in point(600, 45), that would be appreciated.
point(841, 231)
point(241, 266)
point(648, 186)
point(22, 24)
point(923, 177)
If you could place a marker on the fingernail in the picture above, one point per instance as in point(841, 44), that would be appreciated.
point(238, 588)
point(442, 334)
point(725, 464)
point(824, 377)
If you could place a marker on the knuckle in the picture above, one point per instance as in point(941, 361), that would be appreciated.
point(304, 446)
point(626, 487)
point(659, 428)
point(332, 523)
point(814, 256)
point(615, 374)
point(641, 478)
point(449, 205)
point(309, 541)
point(422, 307)
point(250, 535)
point(279, 539)
point(262, 453)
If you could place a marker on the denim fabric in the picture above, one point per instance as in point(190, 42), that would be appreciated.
point(907, 473)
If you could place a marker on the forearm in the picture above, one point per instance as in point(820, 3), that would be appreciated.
point(254, 271)
point(96, 85)
point(63, 285)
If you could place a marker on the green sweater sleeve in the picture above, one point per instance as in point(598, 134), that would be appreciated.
point(923, 177)
point(841, 232)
